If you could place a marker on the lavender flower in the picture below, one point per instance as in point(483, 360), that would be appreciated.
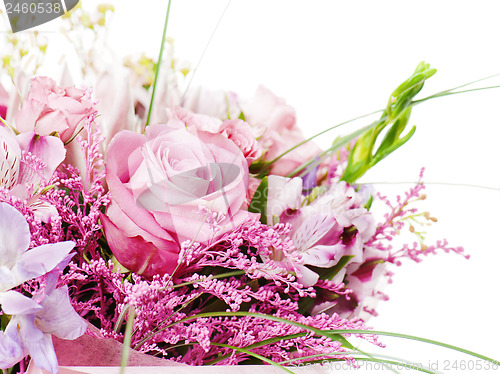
point(29, 329)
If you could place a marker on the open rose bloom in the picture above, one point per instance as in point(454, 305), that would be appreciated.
point(172, 179)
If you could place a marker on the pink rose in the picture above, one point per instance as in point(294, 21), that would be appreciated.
point(49, 108)
point(277, 123)
point(270, 111)
point(172, 185)
point(277, 144)
point(240, 133)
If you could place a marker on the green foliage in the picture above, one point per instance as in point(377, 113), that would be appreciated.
point(395, 116)
point(259, 201)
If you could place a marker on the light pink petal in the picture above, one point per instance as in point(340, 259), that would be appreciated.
point(313, 226)
point(50, 121)
point(25, 119)
point(115, 105)
point(283, 193)
point(43, 209)
point(306, 276)
point(49, 149)
point(322, 255)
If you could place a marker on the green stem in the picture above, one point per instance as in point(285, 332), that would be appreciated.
point(250, 353)
point(333, 333)
point(318, 134)
point(448, 93)
point(260, 344)
point(440, 184)
point(158, 65)
point(127, 339)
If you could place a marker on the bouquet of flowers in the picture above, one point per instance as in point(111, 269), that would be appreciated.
point(143, 224)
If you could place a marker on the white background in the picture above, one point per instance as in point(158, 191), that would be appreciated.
point(335, 60)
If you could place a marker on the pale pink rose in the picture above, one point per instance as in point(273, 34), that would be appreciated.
point(201, 122)
point(49, 108)
point(236, 130)
point(240, 133)
point(270, 111)
point(276, 120)
point(277, 144)
point(166, 187)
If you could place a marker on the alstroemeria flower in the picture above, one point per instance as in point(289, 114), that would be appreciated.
point(30, 329)
point(17, 263)
point(332, 226)
point(25, 179)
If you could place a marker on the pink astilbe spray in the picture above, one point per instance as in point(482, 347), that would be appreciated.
point(397, 219)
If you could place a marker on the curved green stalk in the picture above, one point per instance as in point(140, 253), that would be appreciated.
point(260, 344)
point(250, 353)
point(268, 166)
point(440, 184)
point(448, 93)
point(334, 333)
point(158, 64)
point(127, 338)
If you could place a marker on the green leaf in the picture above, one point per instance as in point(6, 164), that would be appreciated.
point(329, 273)
point(259, 201)
point(160, 59)
point(368, 204)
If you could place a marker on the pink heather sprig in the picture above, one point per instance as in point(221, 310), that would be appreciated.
point(41, 232)
point(395, 222)
point(79, 203)
point(100, 294)
point(243, 248)
point(94, 160)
